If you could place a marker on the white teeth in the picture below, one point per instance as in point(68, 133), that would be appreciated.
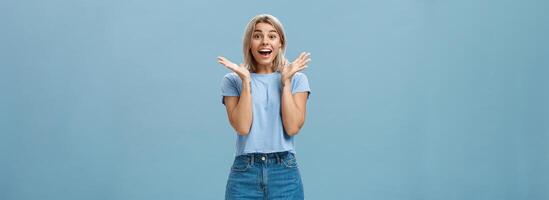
point(265, 52)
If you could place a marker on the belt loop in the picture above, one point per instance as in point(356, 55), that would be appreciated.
point(252, 159)
point(277, 158)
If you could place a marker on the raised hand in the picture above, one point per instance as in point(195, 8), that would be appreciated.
point(240, 70)
point(298, 64)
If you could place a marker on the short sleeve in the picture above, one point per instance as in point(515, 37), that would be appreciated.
point(229, 86)
point(300, 83)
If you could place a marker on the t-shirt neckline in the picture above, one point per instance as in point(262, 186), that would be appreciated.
point(269, 74)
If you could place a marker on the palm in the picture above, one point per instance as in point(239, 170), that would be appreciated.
point(298, 64)
point(241, 71)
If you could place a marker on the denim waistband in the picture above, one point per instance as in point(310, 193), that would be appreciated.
point(278, 156)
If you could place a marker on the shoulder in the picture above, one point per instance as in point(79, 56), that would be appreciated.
point(230, 79)
point(299, 76)
point(230, 75)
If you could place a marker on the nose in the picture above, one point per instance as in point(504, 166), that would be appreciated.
point(264, 41)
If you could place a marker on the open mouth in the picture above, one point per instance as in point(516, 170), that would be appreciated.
point(265, 52)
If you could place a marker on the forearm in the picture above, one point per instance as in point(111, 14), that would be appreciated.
point(292, 115)
point(241, 116)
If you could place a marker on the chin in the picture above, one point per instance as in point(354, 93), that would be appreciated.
point(264, 62)
point(267, 63)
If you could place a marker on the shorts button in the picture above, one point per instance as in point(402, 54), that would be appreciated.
point(263, 158)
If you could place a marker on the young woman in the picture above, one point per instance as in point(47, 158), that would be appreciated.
point(266, 99)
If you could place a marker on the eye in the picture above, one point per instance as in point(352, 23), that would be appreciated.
point(256, 36)
point(272, 36)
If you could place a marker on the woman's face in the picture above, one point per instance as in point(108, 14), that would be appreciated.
point(265, 44)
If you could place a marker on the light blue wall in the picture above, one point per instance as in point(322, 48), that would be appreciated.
point(412, 99)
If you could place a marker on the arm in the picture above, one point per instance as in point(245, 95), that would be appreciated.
point(293, 109)
point(239, 109)
point(293, 106)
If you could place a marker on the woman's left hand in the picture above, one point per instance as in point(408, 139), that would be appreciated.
point(298, 64)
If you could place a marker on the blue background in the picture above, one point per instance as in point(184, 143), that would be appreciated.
point(412, 99)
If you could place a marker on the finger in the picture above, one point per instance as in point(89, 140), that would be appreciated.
point(307, 61)
point(304, 57)
point(224, 59)
point(298, 57)
point(220, 61)
point(226, 65)
point(223, 62)
point(302, 54)
point(304, 65)
point(301, 62)
point(308, 55)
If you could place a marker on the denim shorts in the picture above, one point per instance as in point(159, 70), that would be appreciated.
point(272, 176)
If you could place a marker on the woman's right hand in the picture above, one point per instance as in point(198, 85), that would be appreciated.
point(241, 71)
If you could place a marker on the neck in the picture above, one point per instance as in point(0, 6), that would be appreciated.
point(263, 69)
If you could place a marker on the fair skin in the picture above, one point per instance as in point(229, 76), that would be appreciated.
point(265, 46)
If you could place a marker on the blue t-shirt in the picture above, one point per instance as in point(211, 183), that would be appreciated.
point(267, 134)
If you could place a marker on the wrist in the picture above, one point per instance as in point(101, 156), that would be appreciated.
point(286, 82)
point(245, 79)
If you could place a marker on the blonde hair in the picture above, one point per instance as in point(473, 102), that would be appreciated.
point(249, 60)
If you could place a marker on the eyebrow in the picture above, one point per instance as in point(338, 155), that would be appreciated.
point(262, 31)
